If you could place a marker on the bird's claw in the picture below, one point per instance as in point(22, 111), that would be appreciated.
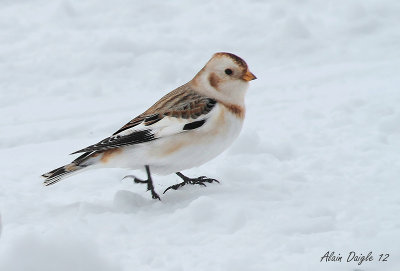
point(128, 176)
point(175, 186)
point(150, 187)
point(200, 181)
point(154, 195)
point(136, 180)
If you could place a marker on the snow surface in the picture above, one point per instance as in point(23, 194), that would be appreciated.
point(316, 167)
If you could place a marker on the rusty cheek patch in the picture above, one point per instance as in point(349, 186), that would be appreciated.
point(107, 155)
point(214, 80)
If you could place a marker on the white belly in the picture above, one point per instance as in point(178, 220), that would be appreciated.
point(185, 150)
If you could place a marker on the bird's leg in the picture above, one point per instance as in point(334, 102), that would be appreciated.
point(149, 182)
point(186, 180)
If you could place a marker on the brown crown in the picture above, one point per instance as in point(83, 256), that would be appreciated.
point(235, 58)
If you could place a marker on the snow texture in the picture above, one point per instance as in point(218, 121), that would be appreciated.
point(315, 169)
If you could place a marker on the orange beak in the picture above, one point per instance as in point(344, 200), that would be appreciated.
point(248, 76)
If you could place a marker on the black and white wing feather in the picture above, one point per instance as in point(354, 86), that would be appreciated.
point(184, 112)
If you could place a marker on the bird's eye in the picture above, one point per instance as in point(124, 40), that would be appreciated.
point(228, 71)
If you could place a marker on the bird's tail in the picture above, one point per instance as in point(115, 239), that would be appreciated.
point(60, 173)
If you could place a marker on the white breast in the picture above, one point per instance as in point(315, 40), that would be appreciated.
point(187, 149)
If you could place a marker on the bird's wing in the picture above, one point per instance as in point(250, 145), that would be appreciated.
point(171, 115)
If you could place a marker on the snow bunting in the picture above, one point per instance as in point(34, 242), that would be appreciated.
point(186, 128)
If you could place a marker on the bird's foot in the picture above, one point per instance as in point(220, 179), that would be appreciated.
point(186, 180)
point(150, 186)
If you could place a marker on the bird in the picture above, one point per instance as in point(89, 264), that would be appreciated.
point(184, 129)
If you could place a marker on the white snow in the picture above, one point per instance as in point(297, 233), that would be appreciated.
point(315, 169)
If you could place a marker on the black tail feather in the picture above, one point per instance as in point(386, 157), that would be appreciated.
point(60, 173)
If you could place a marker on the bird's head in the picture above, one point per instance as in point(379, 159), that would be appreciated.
point(225, 77)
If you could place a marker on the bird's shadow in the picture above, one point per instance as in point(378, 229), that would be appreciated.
point(125, 201)
point(130, 202)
